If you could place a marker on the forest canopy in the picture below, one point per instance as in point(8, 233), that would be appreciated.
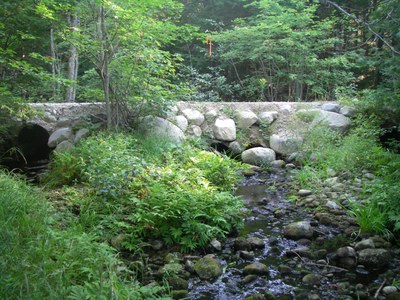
point(130, 52)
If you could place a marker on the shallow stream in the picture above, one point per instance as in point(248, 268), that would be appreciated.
point(266, 197)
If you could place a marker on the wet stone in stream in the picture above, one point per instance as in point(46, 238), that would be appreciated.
point(264, 263)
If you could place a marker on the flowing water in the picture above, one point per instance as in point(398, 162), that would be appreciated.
point(266, 196)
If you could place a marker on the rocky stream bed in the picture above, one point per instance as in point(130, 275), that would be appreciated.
point(304, 248)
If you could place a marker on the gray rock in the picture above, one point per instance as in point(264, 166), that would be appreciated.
point(62, 134)
point(242, 243)
point(285, 145)
point(151, 126)
point(208, 267)
point(365, 244)
point(246, 254)
point(334, 120)
point(278, 163)
point(193, 116)
point(236, 148)
point(249, 278)
point(245, 119)
point(298, 230)
point(285, 108)
point(178, 283)
point(331, 181)
point(210, 115)
point(194, 130)
point(346, 257)
point(64, 146)
point(256, 268)
point(387, 290)
point(312, 279)
point(304, 193)
point(267, 117)
point(82, 133)
point(255, 242)
point(347, 111)
point(224, 130)
point(258, 156)
point(216, 244)
point(181, 122)
point(374, 258)
point(333, 107)
point(332, 205)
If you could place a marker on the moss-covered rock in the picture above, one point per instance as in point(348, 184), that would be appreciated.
point(208, 267)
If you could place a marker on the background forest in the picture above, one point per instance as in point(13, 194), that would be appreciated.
point(154, 51)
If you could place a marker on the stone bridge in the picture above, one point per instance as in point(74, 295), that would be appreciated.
point(236, 126)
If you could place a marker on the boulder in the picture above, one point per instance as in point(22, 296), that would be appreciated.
point(211, 115)
point(193, 116)
point(181, 122)
point(365, 244)
point(346, 257)
point(224, 130)
point(245, 119)
point(267, 117)
point(258, 156)
point(236, 148)
point(194, 130)
point(64, 146)
point(298, 230)
point(285, 145)
point(312, 279)
point(334, 120)
point(150, 125)
point(62, 134)
point(208, 267)
point(374, 258)
point(82, 133)
point(347, 111)
point(256, 268)
point(333, 107)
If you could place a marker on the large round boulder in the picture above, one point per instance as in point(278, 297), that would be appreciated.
point(285, 145)
point(224, 130)
point(151, 125)
point(245, 119)
point(258, 156)
point(60, 135)
point(208, 267)
point(374, 258)
point(193, 116)
point(298, 230)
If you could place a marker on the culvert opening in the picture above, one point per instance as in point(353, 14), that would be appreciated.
point(32, 141)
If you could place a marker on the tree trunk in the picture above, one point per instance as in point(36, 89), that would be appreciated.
point(74, 22)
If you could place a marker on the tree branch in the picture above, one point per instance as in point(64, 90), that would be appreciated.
point(361, 22)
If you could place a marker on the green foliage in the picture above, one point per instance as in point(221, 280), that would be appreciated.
point(40, 260)
point(149, 188)
point(289, 50)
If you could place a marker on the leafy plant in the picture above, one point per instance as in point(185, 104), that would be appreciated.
point(149, 188)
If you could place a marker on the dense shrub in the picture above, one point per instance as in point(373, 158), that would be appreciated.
point(150, 188)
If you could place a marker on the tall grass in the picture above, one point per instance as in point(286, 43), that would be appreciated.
point(41, 260)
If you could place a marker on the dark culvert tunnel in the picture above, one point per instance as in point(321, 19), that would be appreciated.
point(32, 141)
